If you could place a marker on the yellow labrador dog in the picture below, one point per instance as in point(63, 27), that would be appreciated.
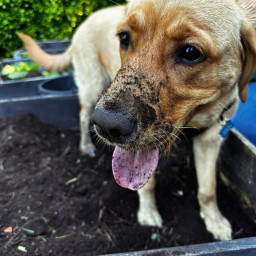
point(183, 63)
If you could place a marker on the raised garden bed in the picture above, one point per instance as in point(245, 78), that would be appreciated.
point(59, 202)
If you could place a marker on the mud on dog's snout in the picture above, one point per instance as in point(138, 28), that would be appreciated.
point(115, 126)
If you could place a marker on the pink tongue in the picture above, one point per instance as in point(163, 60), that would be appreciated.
point(132, 170)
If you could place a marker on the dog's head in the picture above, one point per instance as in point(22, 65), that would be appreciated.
point(178, 57)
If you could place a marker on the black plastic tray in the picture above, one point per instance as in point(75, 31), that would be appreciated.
point(25, 97)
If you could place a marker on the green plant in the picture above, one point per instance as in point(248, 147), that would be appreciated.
point(21, 70)
point(48, 19)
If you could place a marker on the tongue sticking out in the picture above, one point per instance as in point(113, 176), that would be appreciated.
point(132, 170)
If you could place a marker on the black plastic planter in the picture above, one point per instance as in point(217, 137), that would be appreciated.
point(58, 86)
point(23, 97)
point(50, 46)
point(237, 163)
point(242, 247)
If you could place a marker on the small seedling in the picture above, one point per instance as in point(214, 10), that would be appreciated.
point(154, 236)
point(72, 180)
point(22, 249)
point(64, 236)
point(41, 238)
point(29, 231)
point(1, 164)
point(66, 150)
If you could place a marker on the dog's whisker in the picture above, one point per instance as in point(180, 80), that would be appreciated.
point(160, 143)
point(187, 127)
point(180, 131)
point(224, 106)
point(114, 2)
point(174, 135)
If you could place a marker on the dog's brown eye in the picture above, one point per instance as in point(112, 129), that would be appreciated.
point(189, 55)
point(124, 40)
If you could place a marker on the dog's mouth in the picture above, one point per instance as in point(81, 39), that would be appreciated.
point(138, 147)
point(132, 170)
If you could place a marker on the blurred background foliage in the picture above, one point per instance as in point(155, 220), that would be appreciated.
point(43, 19)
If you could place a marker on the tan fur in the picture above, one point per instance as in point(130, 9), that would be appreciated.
point(47, 61)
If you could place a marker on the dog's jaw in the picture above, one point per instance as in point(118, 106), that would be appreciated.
point(132, 170)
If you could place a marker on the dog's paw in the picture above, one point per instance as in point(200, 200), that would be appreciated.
point(150, 217)
point(88, 149)
point(218, 226)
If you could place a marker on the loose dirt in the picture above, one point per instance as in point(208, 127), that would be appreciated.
point(61, 203)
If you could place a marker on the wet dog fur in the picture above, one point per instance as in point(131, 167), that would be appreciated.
point(157, 91)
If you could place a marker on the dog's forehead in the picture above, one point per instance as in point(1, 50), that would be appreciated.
point(220, 18)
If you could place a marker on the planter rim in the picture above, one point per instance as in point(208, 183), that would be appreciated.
point(30, 79)
point(44, 87)
point(216, 249)
point(246, 141)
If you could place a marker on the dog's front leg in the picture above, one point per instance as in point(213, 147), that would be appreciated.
point(206, 151)
point(148, 214)
point(86, 145)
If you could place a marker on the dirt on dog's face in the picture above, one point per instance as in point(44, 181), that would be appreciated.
point(177, 57)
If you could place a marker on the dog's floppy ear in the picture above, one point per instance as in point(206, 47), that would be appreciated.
point(248, 38)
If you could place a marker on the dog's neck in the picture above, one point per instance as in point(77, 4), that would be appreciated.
point(222, 120)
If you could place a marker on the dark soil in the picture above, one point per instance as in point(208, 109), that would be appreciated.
point(62, 203)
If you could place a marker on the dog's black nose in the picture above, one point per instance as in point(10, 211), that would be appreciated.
point(113, 125)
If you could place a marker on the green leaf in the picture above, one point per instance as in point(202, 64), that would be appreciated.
point(18, 65)
point(26, 54)
point(31, 67)
point(8, 69)
point(17, 75)
point(53, 73)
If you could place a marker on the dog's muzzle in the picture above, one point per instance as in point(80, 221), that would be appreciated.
point(131, 169)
